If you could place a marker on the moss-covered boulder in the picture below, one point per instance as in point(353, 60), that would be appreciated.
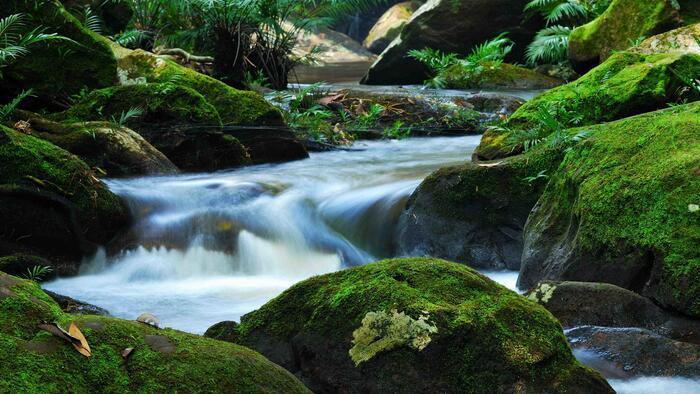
point(235, 107)
point(20, 264)
point(475, 213)
point(114, 149)
point(626, 84)
point(176, 120)
point(58, 69)
point(623, 23)
point(497, 76)
point(160, 360)
point(51, 203)
point(623, 209)
point(415, 325)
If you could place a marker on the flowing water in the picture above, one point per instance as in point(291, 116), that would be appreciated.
point(211, 247)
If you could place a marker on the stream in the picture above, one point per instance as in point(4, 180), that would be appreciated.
point(210, 247)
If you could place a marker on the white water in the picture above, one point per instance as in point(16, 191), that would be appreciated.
point(212, 247)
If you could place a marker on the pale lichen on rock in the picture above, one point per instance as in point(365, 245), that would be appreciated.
point(383, 331)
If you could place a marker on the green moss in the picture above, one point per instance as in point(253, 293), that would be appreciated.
point(491, 337)
point(625, 85)
point(631, 189)
point(30, 162)
point(234, 106)
point(61, 68)
point(162, 360)
point(495, 76)
point(161, 103)
point(623, 23)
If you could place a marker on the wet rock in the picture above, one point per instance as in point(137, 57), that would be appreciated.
point(414, 325)
point(475, 213)
point(634, 352)
point(389, 26)
point(115, 149)
point(51, 203)
point(193, 363)
point(601, 220)
point(602, 304)
point(326, 46)
point(450, 26)
point(76, 307)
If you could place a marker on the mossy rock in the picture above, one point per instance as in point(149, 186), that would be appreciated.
point(626, 84)
point(235, 107)
point(58, 69)
point(623, 23)
point(415, 325)
point(51, 202)
point(497, 76)
point(162, 360)
point(175, 119)
point(114, 149)
point(685, 39)
point(20, 264)
point(623, 208)
point(475, 213)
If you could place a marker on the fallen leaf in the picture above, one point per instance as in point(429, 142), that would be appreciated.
point(82, 346)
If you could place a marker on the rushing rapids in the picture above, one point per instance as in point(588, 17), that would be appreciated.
point(211, 247)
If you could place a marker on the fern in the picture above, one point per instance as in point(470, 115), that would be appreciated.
point(133, 112)
point(7, 109)
point(551, 45)
point(91, 20)
point(15, 40)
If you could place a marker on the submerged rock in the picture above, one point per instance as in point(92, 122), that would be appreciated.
point(626, 84)
point(389, 26)
point(115, 149)
point(415, 325)
point(622, 208)
point(51, 204)
point(624, 22)
point(126, 355)
point(450, 26)
point(475, 213)
point(603, 304)
point(634, 352)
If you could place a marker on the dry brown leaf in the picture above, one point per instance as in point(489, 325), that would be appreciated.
point(82, 345)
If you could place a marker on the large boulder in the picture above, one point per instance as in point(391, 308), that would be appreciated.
point(126, 356)
point(450, 26)
point(389, 26)
point(51, 203)
point(415, 325)
point(602, 304)
point(114, 149)
point(59, 69)
point(623, 208)
point(475, 213)
point(632, 352)
point(624, 22)
point(626, 84)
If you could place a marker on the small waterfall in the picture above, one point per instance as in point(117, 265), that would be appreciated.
point(211, 247)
